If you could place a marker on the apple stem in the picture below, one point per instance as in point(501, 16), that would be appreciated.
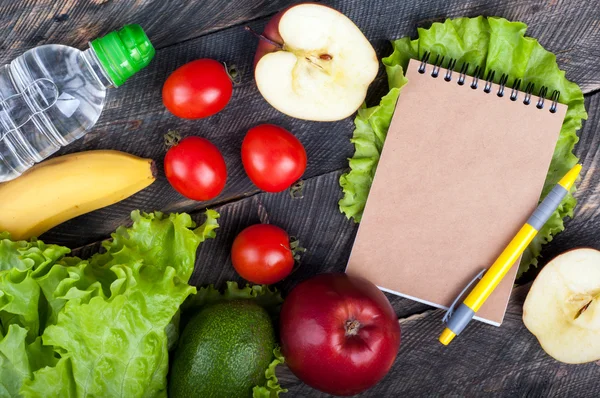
point(352, 327)
point(264, 38)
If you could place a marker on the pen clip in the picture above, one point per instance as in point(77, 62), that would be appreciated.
point(451, 309)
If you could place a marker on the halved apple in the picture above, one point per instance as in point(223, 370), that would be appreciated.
point(562, 308)
point(314, 63)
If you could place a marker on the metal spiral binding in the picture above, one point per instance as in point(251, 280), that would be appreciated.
point(502, 84)
point(450, 69)
point(515, 90)
point(528, 92)
point(488, 81)
point(475, 82)
point(463, 74)
point(436, 67)
point(554, 98)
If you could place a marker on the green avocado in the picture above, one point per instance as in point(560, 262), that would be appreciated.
point(223, 351)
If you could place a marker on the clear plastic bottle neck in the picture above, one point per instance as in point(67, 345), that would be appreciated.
point(91, 59)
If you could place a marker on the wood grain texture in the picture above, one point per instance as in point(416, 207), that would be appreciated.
point(489, 361)
point(567, 28)
point(135, 120)
point(30, 23)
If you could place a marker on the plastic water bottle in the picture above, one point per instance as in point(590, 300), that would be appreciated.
point(53, 94)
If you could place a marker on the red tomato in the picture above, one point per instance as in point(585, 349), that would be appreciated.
point(197, 89)
point(261, 254)
point(196, 168)
point(273, 157)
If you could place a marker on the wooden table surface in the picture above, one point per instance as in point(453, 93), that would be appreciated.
point(505, 361)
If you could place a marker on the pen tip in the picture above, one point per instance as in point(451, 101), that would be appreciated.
point(447, 336)
point(569, 179)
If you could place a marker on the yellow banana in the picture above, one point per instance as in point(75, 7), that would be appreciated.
point(67, 186)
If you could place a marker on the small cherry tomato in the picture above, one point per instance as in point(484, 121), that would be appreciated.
point(262, 254)
point(273, 157)
point(197, 89)
point(196, 168)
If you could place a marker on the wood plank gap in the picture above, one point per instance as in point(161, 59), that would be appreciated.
point(245, 196)
point(210, 32)
point(213, 205)
point(416, 316)
point(593, 92)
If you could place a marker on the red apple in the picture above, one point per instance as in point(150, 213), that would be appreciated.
point(314, 63)
point(274, 41)
point(339, 333)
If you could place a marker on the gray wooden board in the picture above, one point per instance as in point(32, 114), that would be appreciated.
point(504, 361)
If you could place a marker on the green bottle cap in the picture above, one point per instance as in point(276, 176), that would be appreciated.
point(123, 53)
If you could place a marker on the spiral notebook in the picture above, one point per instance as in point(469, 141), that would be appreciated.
point(462, 168)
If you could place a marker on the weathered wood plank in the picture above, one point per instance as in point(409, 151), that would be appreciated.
point(31, 23)
point(567, 29)
point(135, 119)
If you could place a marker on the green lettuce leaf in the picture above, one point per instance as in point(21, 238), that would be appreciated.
point(118, 346)
point(57, 382)
point(271, 389)
point(18, 359)
point(22, 265)
point(24, 256)
point(100, 327)
point(371, 128)
point(490, 44)
point(267, 297)
point(159, 240)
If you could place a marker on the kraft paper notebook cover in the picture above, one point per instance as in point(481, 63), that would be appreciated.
point(460, 172)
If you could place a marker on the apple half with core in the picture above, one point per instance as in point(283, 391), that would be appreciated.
point(314, 63)
point(562, 308)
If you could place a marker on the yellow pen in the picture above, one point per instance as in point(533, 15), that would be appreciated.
point(458, 320)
